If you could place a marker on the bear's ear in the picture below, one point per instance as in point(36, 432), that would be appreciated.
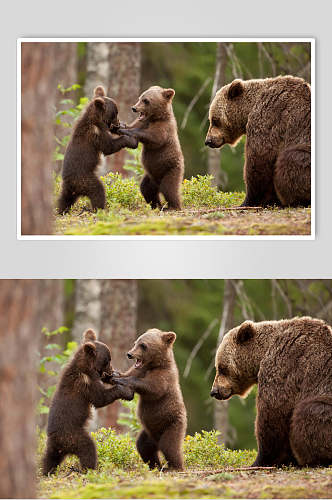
point(89, 336)
point(168, 337)
point(168, 94)
point(235, 89)
point(99, 91)
point(90, 349)
point(100, 103)
point(245, 333)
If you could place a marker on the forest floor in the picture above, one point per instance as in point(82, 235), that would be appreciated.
point(219, 221)
point(225, 483)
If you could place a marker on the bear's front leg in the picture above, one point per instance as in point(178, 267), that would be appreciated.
point(258, 177)
point(272, 433)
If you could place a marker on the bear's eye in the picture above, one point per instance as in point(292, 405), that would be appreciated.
point(222, 370)
point(146, 101)
point(215, 122)
point(143, 346)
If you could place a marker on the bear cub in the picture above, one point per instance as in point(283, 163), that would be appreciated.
point(80, 387)
point(291, 362)
point(162, 156)
point(274, 113)
point(91, 137)
point(161, 410)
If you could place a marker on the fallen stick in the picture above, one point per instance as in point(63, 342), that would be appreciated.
point(237, 469)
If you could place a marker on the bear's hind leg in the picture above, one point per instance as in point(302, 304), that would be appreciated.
point(94, 189)
point(148, 450)
point(292, 176)
point(52, 458)
point(171, 445)
point(66, 200)
point(86, 452)
point(150, 190)
point(170, 187)
point(311, 431)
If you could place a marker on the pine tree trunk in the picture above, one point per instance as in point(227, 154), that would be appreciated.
point(124, 87)
point(38, 101)
point(214, 168)
point(21, 302)
point(118, 330)
point(227, 322)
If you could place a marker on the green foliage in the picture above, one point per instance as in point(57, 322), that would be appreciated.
point(198, 192)
point(54, 355)
point(119, 449)
point(133, 163)
point(122, 192)
point(65, 117)
point(128, 419)
point(203, 450)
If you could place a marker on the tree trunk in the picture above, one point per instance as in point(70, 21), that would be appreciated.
point(214, 169)
point(118, 330)
point(124, 87)
point(97, 73)
point(38, 101)
point(227, 322)
point(66, 75)
point(20, 307)
point(87, 307)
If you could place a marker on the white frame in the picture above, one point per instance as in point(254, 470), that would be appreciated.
point(184, 237)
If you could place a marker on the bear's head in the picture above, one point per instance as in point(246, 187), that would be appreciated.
point(227, 123)
point(95, 356)
point(153, 349)
point(154, 104)
point(105, 108)
point(236, 370)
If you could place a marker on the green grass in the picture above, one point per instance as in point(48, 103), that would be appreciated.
point(206, 211)
point(209, 473)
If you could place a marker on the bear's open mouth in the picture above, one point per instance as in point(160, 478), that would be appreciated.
point(138, 363)
point(141, 115)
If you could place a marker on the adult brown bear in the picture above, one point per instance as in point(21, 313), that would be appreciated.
point(291, 361)
point(274, 113)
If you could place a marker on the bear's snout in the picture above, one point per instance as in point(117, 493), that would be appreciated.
point(208, 142)
point(214, 393)
point(130, 356)
point(134, 109)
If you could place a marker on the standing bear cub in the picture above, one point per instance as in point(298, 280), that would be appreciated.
point(291, 362)
point(162, 156)
point(80, 387)
point(274, 113)
point(91, 138)
point(161, 409)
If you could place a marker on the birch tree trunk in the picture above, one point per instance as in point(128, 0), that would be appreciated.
point(117, 330)
point(214, 168)
point(97, 73)
point(37, 140)
point(227, 322)
point(87, 308)
point(21, 302)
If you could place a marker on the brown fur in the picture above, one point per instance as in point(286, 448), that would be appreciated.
point(161, 408)
point(291, 361)
point(275, 115)
point(162, 156)
point(80, 387)
point(91, 137)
